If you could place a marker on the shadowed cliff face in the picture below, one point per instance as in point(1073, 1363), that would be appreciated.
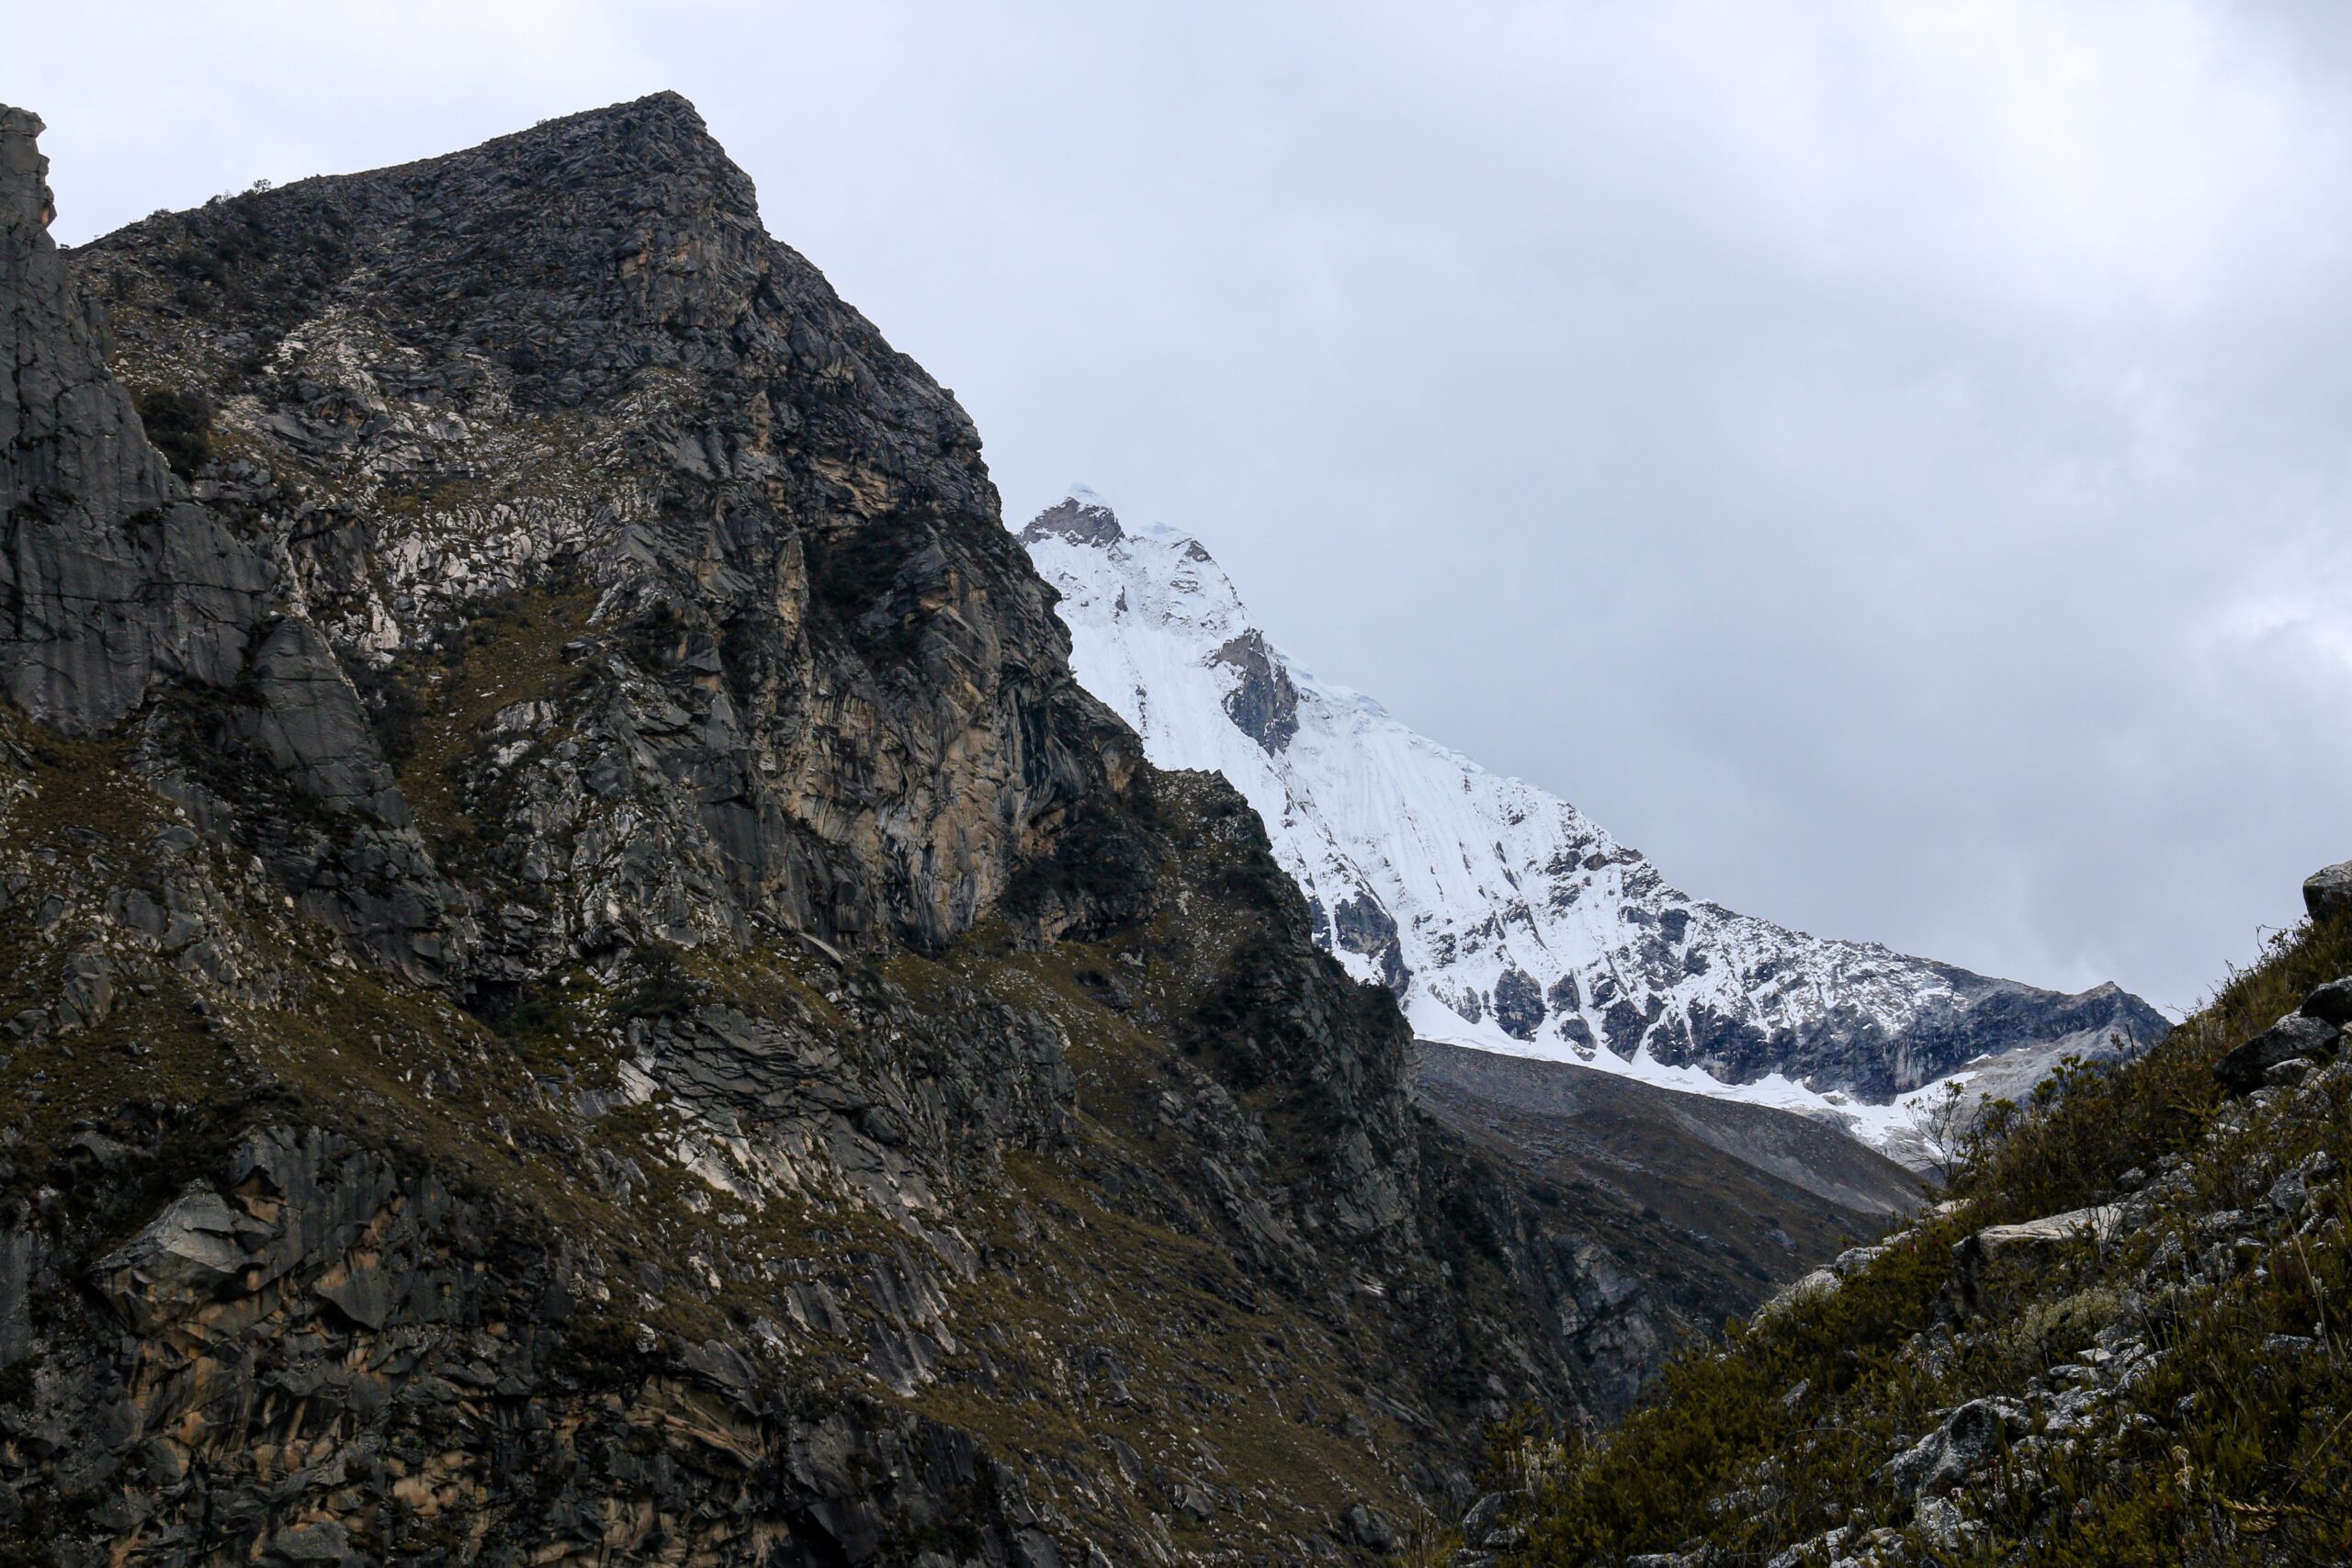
point(578, 981)
point(108, 578)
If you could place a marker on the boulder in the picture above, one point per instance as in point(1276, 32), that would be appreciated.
point(1193, 1502)
point(1821, 1282)
point(1854, 1259)
point(324, 1541)
point(2287, 1073)
point(1368, 1530)
point(1946, 1455)
point(2327, 892)
point(1997, 1242)
point(2242, 1071)
point(2003, 1247)
point(189, 1253)
point(1483, 1516)
point(2331, 1003)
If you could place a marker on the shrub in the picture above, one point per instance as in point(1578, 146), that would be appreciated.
point(180, 426)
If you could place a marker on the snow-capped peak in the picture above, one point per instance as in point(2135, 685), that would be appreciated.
point(1501, 916)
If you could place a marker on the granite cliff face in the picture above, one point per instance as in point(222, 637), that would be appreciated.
point(109, 579)
point(581, 984)
point(1502, 917)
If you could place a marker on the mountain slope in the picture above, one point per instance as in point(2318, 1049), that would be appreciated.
point(1693, 1141)
point(1502, 917)
point(1703, 1200)
point(581, 983)
point(2123, 1340)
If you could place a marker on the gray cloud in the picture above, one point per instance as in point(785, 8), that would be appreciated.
point(1884, 459)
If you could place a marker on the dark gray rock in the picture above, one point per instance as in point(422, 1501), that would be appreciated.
point(2331, 1003)
point(1035, 1549)
point(2241, 1070)
point(18, 1265)
point(2024, 1028)
point(110, 578)
point(1519, 1004)
point(1263, 704)
point(1362, 924)
point(311, 725)
point(1947, 1456)
point(2287, 1073)
point(1077, 519)
point(1368, 1529)
point(2327, 892)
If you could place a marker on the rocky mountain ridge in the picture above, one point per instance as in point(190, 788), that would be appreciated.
point(1502, 917)
point(581, 983)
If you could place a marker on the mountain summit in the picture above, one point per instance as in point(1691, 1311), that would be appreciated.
point(1502, 917)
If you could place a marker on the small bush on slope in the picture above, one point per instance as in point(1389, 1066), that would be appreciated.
point(2182, 1393)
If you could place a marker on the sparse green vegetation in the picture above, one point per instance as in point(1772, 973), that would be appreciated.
point(180, 426)
point(2227, 1444)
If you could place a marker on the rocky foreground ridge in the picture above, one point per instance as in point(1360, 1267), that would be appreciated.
point(2122, 1339)
point(582, 985)
point(1502, 917)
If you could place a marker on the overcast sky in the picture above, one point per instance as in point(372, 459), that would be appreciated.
point(1888, 461)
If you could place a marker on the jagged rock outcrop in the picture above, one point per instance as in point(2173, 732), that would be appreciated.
point(327, 1364)
point(108, 578)
point(618, 1003)
point(2298, 1037)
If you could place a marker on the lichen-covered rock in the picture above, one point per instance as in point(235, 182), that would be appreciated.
point(1962, 1443)
point(567, 376)
point(2327, 892)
